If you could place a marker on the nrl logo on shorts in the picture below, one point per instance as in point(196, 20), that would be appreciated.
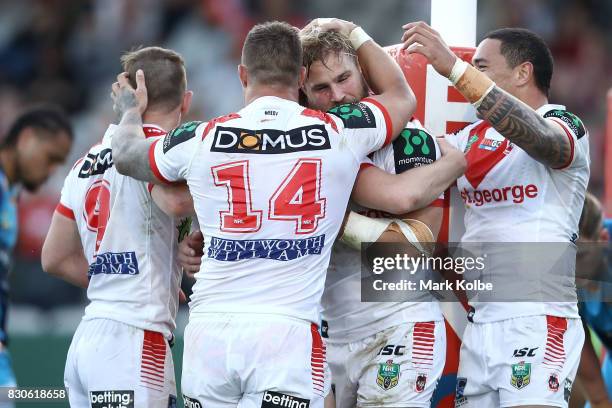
point(521, 375)
point(388, 375)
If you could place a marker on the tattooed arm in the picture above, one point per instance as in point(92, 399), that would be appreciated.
point(542, 139)
point(130, 148)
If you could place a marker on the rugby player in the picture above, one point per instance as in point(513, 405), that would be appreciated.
point(270, 186)
point(334, 78)
point(108, 235)
point(526, 177)
point(37, 142)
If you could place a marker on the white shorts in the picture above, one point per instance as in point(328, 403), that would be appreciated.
point(523, 361)
point(251, 360)
point(112, 364)
point(397, 367)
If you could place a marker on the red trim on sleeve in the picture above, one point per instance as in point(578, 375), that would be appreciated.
point(386, 115)
point(571, 140)
point(365, 166)
point(153, 165)
point(65, 211)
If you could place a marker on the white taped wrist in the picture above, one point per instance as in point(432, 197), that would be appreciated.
point(357, 37)
point(359, 229)
point(457, 71)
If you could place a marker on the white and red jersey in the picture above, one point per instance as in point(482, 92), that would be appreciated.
point(270, 186)
point(346, 317)
point(130, 243)
point(511, 197)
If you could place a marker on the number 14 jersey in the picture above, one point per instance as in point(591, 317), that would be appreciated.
point(270, 186)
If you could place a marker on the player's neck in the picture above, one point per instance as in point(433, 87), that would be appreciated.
point(534, 98)
point(166, 121)
point(253, 92)
point(8, 164)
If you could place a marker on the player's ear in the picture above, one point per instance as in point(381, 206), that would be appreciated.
point(523, 73)
point(186, 105)
point(302, 78)
point(243, 75)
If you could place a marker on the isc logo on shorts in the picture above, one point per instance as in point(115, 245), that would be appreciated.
point(273, 399)
point(270, 141)
point(112, 399)
point(191, 402)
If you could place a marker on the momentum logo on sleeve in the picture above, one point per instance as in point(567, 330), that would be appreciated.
point(276, 249)
point(270, 141)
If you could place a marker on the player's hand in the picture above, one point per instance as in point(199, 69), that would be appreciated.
point(190, 251)
point(332, 24)
point(602, 404)
point(422, 39)
point(125, 97)
point(451, 152)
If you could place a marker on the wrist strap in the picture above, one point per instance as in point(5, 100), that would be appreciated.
point(357, 37)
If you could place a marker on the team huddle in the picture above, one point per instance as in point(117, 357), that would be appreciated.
point(270, 206)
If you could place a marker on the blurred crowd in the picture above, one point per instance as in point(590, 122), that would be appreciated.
point(67, 52)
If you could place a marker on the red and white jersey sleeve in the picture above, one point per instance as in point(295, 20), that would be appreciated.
point(366, 125)
point(170, 157)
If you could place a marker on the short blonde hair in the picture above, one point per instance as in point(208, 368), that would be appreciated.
point(318, 45)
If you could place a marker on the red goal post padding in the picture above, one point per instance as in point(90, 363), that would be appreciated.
point(442, 110)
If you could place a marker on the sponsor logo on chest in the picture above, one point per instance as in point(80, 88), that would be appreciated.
point(270, 141)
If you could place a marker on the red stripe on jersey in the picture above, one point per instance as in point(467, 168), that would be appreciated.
point(153, 165)
point(554, 354)
point(150, 187)
point(221, 119)
point(571, 140)
point(153, 359)
point(386, 115)
point(324, 117)
point(153, 131)
point(65, 211)
point(317, 360)
point(481, 161)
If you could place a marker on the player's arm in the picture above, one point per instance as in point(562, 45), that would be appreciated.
point(175, 199)
point(130, 147)
point(382, 73)
point(62, 253)
point(589, 374)
point(412, 189)
point(545, 140)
